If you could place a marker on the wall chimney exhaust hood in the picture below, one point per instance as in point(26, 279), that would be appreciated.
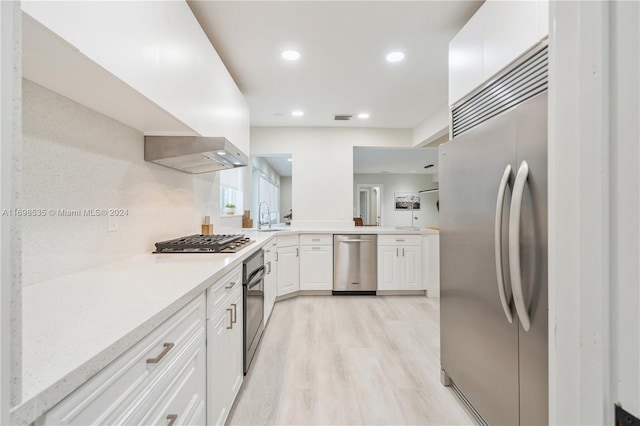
point(193, 154)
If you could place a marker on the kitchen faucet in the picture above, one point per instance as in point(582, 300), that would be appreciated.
point(268, 222)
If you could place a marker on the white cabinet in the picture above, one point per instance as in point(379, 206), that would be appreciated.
point(162, 377)
point(431, 260)
point(270, 279)
point(400, 262)
point(156, 48)
point(316, 262)
point(497, 34)
point(224, 346)
point(288, 265)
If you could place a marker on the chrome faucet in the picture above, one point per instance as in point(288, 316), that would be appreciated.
point(268, 222)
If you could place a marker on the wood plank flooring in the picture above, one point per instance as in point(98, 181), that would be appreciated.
point(338, 360)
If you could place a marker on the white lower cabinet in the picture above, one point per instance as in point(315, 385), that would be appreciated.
point(162, 375)
point(225, 370)
point(270, 279)
point(400, 262)
point(288, 265)
point(316, 262)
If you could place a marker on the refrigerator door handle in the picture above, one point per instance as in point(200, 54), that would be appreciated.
point(498, 242)
point(514, 245)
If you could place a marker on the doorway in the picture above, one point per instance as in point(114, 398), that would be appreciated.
point(369, 204)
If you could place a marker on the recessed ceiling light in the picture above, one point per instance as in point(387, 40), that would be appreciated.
point(412, 171)
point(363, 115)
point(289, 159)
point(395, 56)
point(291, 55)
point(297, 113)
point(221, 153)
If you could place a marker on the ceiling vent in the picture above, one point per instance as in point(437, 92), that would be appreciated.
point(343, 117)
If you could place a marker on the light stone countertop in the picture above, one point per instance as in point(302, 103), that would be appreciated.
point(75, 325)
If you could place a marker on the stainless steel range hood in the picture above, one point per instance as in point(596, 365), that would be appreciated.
point(193, 154)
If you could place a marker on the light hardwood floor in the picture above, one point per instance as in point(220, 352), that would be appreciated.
point(339, 360)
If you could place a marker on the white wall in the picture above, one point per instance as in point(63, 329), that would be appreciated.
point(10, 131)
point(625, 204)
point(76, 158)
point(322, 192)
point(594, 199)
point(435, 126)
point(392, 183)
point(285, 195)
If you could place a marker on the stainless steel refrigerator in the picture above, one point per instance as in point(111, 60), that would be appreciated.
point(493, 242)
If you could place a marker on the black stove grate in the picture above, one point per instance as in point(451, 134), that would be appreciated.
point(198, 243)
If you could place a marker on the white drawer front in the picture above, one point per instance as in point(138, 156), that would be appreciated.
point(399, 240)
point(111, 395)
point(179, 393)
point(287, 240)
point(316, 239)
point(218, 293)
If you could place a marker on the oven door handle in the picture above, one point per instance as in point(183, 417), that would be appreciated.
point(256, 276)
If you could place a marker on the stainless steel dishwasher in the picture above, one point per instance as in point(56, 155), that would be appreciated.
point(355, 264)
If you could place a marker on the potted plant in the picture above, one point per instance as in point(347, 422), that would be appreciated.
point(230, 209)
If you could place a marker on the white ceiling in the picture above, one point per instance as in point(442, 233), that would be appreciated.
point(396, 161)
point(343, 68)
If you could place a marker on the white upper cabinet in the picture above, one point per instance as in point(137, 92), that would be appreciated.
point(159, 49)
point(498, 33)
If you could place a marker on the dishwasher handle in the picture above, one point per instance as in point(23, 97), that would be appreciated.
point(356, 241)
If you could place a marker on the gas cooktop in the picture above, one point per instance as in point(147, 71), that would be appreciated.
point(198, 243)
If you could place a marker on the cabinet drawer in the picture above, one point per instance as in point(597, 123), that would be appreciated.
point(179, 394)
point(399, 240)
point(111, 395)
point(316, 239)
point(287, 240)
point(218, 293)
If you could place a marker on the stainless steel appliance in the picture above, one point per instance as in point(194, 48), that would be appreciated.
point(198, 243)
point(253, 272)
point(193, 154)
point(355, 259)
point(493, 247)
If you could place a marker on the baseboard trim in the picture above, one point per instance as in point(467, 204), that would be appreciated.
point(402, 292)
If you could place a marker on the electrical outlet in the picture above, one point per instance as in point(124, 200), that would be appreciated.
point(112, 223)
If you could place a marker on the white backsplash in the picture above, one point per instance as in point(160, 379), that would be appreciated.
point(76, 158)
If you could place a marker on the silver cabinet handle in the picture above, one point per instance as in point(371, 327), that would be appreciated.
point(269, 265)
point(276, 256)
point(397, 252)
point(400, 241)
point(316, 248)
point(402, 251)
point(315, 239)
point(172, 419)
point(498, 242)
point(514, 245)
point(230, 318)
point(235, 308)
point(297, 252)
point(230, 286)
point(165, 351)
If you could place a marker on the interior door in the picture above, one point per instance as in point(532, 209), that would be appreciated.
point(479, 346)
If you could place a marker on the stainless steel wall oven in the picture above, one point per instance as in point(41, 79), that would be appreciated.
point(253, 272)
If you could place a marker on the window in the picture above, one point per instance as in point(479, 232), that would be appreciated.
point(231, 190)
point(270, 194)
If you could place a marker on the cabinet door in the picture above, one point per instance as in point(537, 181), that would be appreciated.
point(465, 58)
point(411, 268)
point(288, 272)
point(218, 372)
point(316, 268)
point(236, 346)
point(388, 268)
